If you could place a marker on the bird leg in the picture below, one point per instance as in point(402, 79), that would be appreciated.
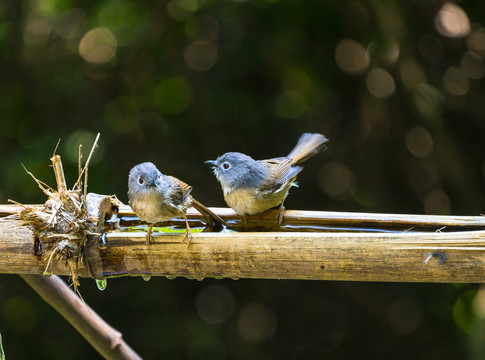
point(188, 233)
point(281, 214)
point(149, 236)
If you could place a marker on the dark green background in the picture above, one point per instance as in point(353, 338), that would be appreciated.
point(276, 75)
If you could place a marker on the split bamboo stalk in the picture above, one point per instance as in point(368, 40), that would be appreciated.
point(400, 256)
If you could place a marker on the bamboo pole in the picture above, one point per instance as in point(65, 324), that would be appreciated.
point(338, 219)
point(432, 256)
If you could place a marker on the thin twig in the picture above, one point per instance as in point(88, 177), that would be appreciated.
point(79, 163)
point(95, 144)
point(55, 149)
point(49, 191)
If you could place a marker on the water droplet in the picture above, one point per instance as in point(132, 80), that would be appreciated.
point(170, 277)
point(199, 278)
point(102, 284)
point(218, 277)
point(190, 277)
point(146, 277)
point(235, 278)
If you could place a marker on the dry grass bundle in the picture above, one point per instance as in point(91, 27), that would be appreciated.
point(61, 226)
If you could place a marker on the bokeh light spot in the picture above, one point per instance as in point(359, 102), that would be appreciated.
point(215, 304)
point(173, 96)
point(202, 28)
point(98, 46)
point(406, 314)
point(476, 40)
point(380, 83)
point(351, 56)
point(37, 32)
point(479, 302)
point(122, 114)
point(189, 5)
point(335, 179)
point(437, 202)
point(181, 10)
point(297, 79)
point(290, 104)
point(385, 50)
point(86, 139)
point(411, 74)
point(422, 176)
point(452, 21)
point(200, 55)
point(429, 102)
point(463, 314)
point(124, 18)
point(472, 65)
point(69, 27)
point(52, 8)
point(455, 82)
point(419, 142)
point(256, 323)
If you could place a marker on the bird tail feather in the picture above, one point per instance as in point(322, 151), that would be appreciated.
point(210, 217)
point(307, 146)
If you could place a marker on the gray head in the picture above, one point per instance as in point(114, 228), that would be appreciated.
point(143, 178)
point(235, 170)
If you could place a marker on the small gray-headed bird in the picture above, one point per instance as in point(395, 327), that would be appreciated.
point(253, 186)
point(155, 197)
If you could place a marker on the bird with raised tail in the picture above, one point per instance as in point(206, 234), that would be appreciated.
point(253, 186)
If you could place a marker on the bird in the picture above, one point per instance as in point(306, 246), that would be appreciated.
point(253, 186)
point(155, 197)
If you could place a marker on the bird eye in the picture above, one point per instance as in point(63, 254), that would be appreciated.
point(140, 180)
point(226, 166)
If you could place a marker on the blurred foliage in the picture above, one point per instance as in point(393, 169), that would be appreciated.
point(395, 85)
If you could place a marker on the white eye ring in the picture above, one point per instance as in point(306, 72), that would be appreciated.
point(226, 166)
point(140, 180)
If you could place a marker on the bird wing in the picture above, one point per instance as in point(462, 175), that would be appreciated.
point(180, 191)
point(281, 171)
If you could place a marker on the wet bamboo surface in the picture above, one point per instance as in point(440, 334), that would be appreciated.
point(373, 247)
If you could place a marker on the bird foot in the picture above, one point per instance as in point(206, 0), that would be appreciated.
point(188, 237)
point(149, 236)
point(281, 215)
point(188, 233)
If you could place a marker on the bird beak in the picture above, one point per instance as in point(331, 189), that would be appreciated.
point(154, 183)
point(211, 163)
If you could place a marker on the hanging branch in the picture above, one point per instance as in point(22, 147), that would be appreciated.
point(106, 340)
